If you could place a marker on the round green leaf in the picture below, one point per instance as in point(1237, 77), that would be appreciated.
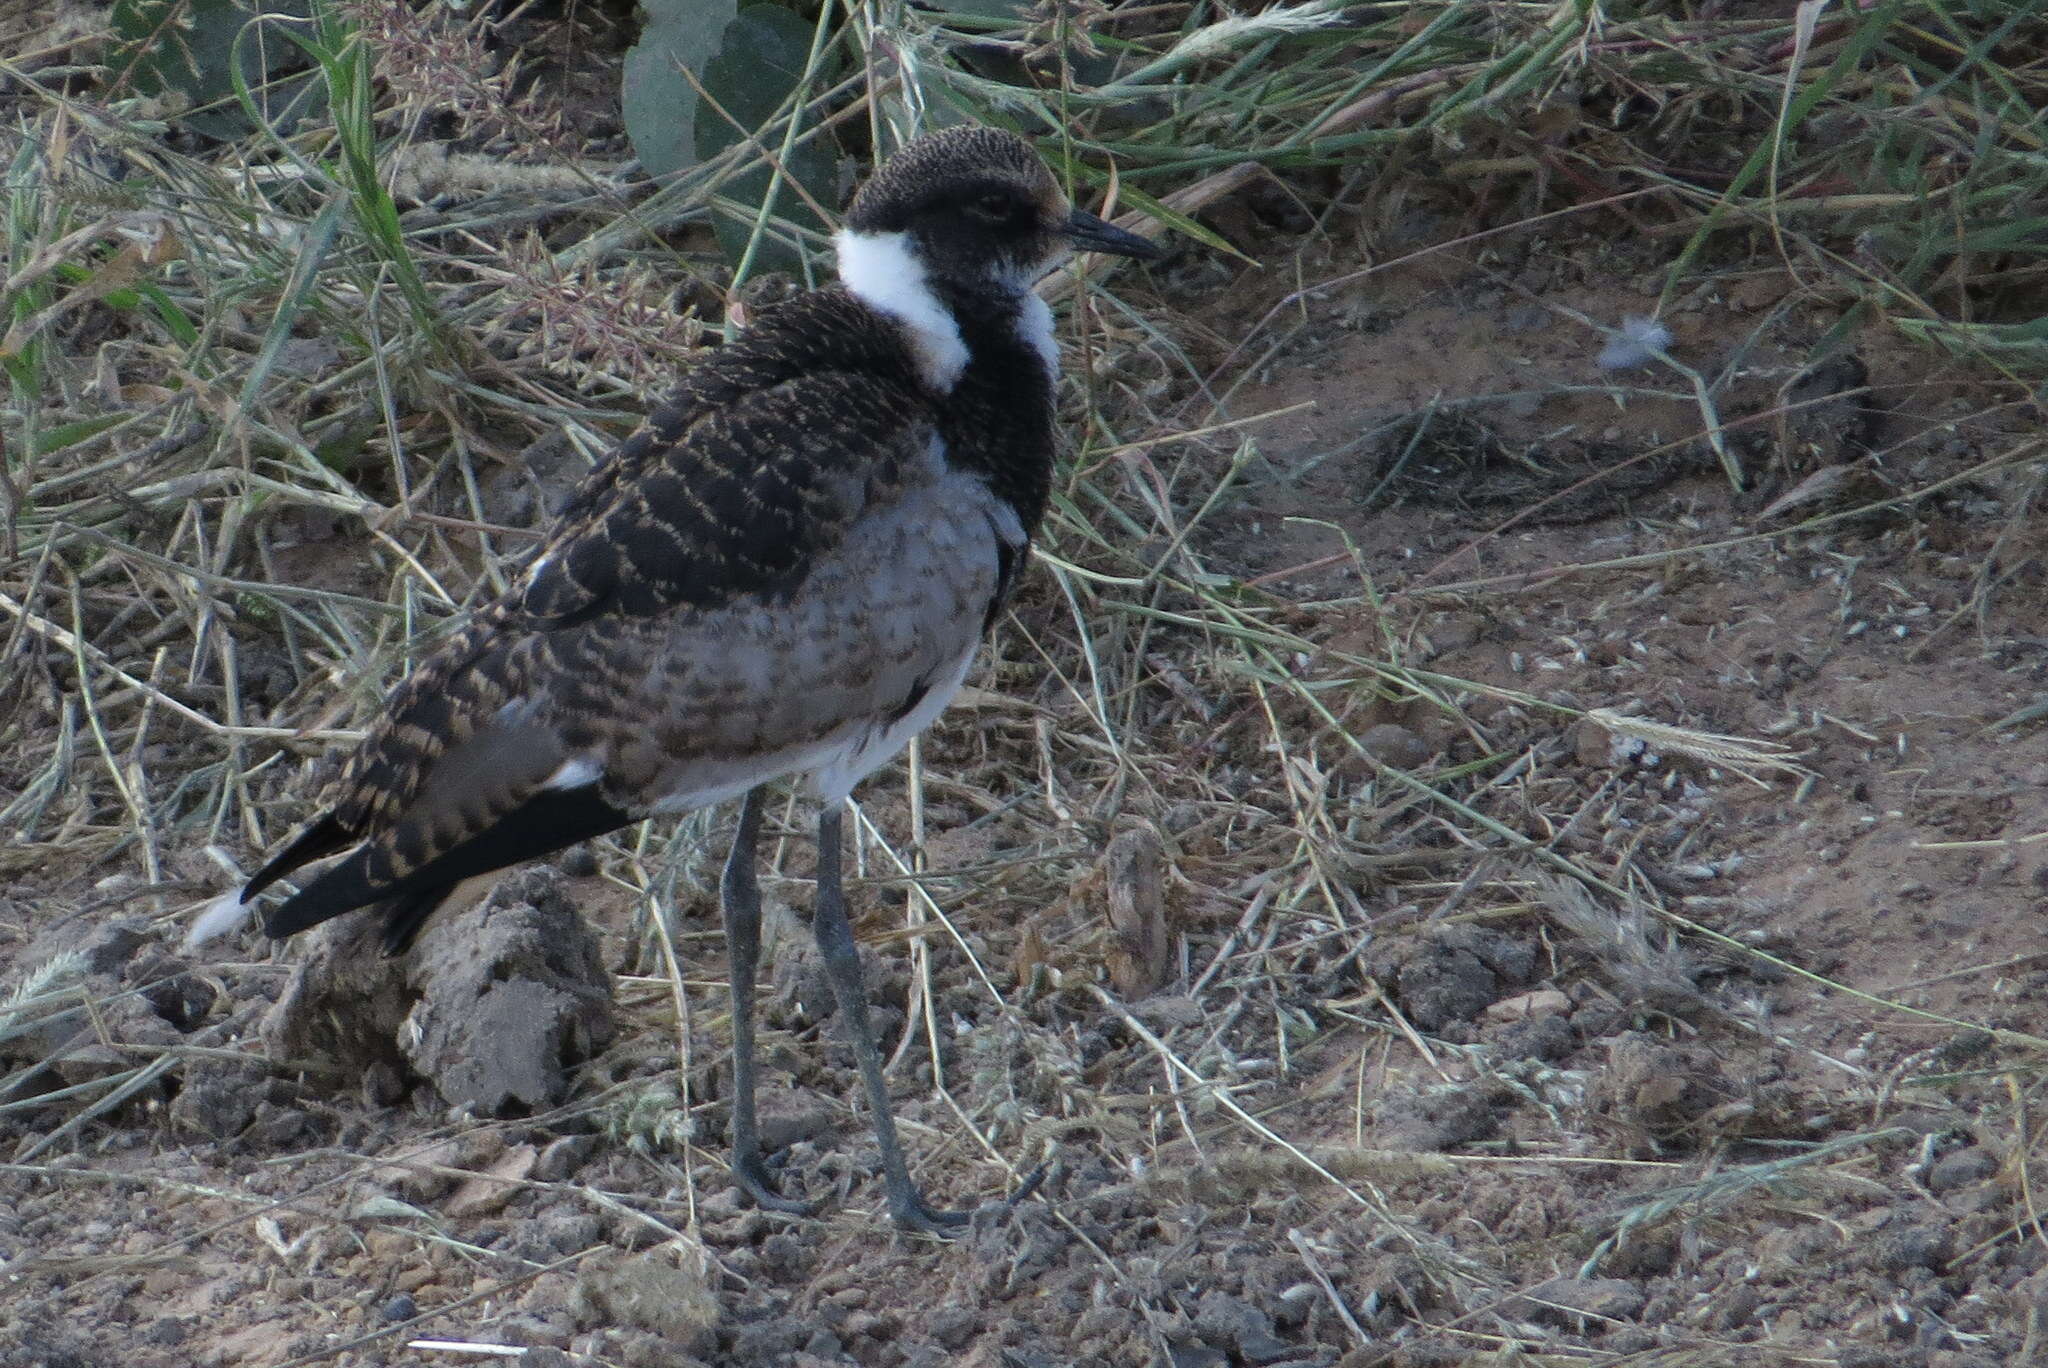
point(189, 47)
point(760, 64)
point(659, 104)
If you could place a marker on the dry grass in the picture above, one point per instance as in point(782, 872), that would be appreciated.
point(272, 403)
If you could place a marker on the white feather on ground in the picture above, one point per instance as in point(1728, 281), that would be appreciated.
point(217, 918)
point(1637, 342)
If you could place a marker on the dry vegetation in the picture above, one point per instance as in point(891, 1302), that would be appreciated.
point(1402, 912)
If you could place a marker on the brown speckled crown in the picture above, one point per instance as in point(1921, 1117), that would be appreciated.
point(929, 190)
point(947, 165)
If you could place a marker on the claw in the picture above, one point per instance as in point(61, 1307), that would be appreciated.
point(754, 1181)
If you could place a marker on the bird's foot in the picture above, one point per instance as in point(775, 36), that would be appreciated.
point(752, 1176)
point(911, 1213)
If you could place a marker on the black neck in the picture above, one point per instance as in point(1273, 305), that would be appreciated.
point(998, 419)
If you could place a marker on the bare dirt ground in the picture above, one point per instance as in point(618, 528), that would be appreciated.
point(1658, 1048)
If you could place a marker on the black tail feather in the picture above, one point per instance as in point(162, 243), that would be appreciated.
point(404, 916)
point(316, 842)
point(546, 822)
point(342, 888)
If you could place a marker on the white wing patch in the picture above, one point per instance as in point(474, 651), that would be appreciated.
point(883, 271)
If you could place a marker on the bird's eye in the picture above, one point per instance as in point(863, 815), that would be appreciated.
point(994, 206)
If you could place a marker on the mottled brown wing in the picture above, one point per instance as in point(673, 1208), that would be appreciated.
point(735, 484)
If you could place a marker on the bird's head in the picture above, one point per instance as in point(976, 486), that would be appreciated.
point(978, 209)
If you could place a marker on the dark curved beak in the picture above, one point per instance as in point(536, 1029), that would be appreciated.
point(1091, 234)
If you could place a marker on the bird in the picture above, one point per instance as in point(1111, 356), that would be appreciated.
point(785, 572)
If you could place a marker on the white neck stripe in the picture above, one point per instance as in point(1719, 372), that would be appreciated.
point(882, 271)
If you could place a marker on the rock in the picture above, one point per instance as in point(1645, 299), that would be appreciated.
point(788, 1116)
point(1562, 1301)
point(1393, 744)
point(493, 1005)
point(1962, 1169)
point(1595, 747)
point(493, 1189)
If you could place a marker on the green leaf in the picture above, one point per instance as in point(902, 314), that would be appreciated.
point(71, 434)
point(1134, 198)
point(189, 48)
point(1011, 10)
point(659, 104)
point(760, 60)
point(174, 318)
point(759, 66)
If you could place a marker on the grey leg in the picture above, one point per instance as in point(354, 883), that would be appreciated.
point(740, 899)
point(842, 964)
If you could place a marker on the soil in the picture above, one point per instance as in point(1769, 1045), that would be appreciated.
point(1784, 1117)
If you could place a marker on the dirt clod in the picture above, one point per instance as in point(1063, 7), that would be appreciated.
point(1961, 1169)
point(659, 1291)
point(1454, 974)
point(492, 1005)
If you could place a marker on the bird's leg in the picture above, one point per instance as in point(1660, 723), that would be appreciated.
point(740, 899)
point(842, 966)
